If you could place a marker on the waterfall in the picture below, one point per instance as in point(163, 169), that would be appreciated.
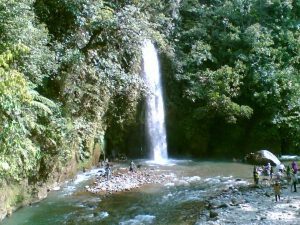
point(155, 115)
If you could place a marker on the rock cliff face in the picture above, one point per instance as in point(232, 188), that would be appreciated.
point(16, 195)
point(25, 192)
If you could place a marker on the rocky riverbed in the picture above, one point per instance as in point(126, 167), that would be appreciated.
point(252, 205)
point(239, 203)
point(191, 194)
point(124, 180)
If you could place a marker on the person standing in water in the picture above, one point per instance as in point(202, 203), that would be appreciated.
point(107, 171)
point(294, 167)
point(277, 189)
point(255, 176)
point(288, 173)
point(271, 172)
point(132, 166)
point(294, 181)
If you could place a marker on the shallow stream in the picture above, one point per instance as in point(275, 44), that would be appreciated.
point(177, 202)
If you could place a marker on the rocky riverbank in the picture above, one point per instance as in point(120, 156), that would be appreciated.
point(239, 203)
point(252, 205)
point(124, 180)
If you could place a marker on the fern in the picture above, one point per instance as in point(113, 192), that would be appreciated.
point(41, 106)
point(42, 102)
point(40, 98)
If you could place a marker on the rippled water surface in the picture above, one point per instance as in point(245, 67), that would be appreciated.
point(178, 202)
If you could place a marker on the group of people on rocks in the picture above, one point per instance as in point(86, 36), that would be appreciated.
point(108, 168)
point(290, 172)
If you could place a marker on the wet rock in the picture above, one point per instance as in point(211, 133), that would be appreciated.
point(234, 201)
point(263, 217)
point(224, 205)
point(42, 193)
point(57, 188)
point(236, 191)
point(183, 182)
point(213, 214)
point(216, 204)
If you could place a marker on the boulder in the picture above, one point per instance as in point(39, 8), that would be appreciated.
point(262, 157)
point(213, 214)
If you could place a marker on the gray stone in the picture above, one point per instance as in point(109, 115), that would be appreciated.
point(213, 214)
point(262, 157)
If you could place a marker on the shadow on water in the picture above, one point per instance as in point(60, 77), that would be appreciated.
point(177, 202)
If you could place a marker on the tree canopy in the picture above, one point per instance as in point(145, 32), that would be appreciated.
point(239, 59)
point(70, 72)
point(70, 76)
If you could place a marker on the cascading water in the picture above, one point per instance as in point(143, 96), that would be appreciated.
point(155, 115)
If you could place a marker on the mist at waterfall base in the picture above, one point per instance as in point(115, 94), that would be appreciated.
point(155, 114)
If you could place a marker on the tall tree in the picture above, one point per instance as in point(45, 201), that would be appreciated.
point(239, 59)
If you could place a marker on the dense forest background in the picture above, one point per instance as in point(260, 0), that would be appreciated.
point(70, 79)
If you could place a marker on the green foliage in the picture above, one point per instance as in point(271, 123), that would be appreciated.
point(16, 148)
point(235, 59)
point(25, 61)
point(70, 73)
point(18, 26)
point(99, 46)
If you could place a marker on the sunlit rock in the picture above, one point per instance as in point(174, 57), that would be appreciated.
point(56, 188)
point(262, 157)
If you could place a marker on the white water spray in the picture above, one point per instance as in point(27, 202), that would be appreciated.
point(155, 115)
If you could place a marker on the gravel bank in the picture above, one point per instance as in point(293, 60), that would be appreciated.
point(253, 205)
point(124, 180)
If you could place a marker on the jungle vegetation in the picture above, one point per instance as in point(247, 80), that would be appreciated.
point(70, 72)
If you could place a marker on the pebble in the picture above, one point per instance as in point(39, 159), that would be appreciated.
point(123, 180)
point(258, 205)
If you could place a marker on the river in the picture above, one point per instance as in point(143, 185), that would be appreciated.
point(178, 202)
